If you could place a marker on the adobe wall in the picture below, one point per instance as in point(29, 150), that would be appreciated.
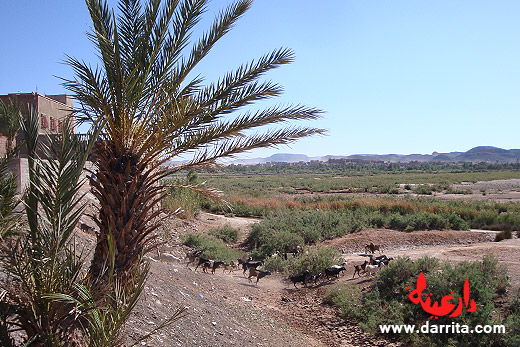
point(3, 145)
point(20, 167)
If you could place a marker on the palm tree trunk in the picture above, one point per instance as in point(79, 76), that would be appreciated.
point(125, 188)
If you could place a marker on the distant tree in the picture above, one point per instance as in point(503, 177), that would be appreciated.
point(154, 111)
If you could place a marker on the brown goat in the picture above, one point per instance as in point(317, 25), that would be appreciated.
point(257, 273)
point(372, 248)
point(192, 257)
point(358, 268)
point(230, 267)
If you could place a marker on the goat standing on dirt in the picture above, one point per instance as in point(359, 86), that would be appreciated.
point(372, 269)
point(300, 278)
point(334, 271)
point(230, 267)
point(215, 266)
point(251, 265)
point(203, 262)
point(257, 273)
point(315, 278)
point(192, 257)
point(358, 268)
point(372, 248)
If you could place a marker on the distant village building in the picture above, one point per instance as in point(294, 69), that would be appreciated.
point(52, 110)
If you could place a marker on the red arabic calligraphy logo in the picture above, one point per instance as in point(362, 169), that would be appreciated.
point(445, 307)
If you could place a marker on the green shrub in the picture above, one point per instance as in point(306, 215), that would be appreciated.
point(315, 260)
point(211, 247)
point(346, 298)
point(277, 264)
point(226, 233)
point(376, 220)
point(386, 189)
point(285, 231)
point(423, 189)
point(456, 223)
point(512, 322)
point(186, 202)
point(488, 281)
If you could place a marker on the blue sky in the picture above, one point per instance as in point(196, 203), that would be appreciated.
point(392, 76)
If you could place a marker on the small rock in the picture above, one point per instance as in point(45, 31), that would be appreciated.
point(214, 323)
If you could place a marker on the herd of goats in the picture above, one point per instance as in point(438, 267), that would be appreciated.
point(369, 267)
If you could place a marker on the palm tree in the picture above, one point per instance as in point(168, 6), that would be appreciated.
point(40, 261)
point(155, 111)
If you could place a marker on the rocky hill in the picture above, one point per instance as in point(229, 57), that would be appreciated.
point(475, 155)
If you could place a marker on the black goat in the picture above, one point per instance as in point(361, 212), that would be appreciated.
point(334, 272)
point(202, 261)
point(315, 278)
point(382, 259)
point(300, 278)
point(215, 266)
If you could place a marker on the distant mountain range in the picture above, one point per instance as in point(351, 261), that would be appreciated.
point(474, 155)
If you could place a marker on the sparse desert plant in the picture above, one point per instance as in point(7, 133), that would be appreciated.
point(423, 189)
point(314, 260)
point(226, 233)
point(503, 235)
point(211, 247)
point(347, 298)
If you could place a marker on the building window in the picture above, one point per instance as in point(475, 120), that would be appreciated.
point(60, 126)
point(53, 124)
point(44, 123)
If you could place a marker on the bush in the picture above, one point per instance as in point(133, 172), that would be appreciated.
point(456, 223)
point(277, 264)
point(284, 232)
point(313, 259)
point(487, 279)
point(211, 247)
point(504, 234)
point(347, 298)
point(186, 202)
point(512, 323)
point(423, 189)
point(226, 233)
